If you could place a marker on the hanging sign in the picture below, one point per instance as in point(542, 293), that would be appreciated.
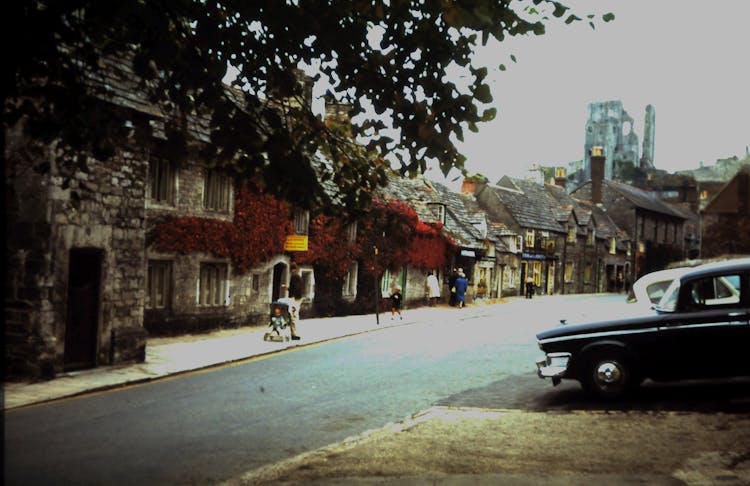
point(295, 243)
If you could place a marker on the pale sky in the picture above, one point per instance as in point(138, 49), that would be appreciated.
point(689, 59)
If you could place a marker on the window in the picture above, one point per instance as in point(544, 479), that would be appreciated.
point(714, 291)
point(569, 271)
point(352, 232)
point(256, 283)
point(571, 234)
point(590, 236)
point(162, 181)
point(385, 283)
point(158, 284)
point(519, 244)
point(350, 280)
point(587, 272)
point(217, 191)
point(530, 238)
point(212, 284)
point(438, 211)
point(301, 221)
point(613, 246)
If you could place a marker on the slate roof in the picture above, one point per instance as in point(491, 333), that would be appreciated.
point(642, 199)
point(529, 204)
point(419, 193)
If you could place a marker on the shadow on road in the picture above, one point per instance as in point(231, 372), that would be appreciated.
point(527, 392)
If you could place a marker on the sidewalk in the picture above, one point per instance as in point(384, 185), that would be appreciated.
point(170, 356)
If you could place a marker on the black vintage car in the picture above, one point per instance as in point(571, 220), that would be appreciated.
point(699, 329)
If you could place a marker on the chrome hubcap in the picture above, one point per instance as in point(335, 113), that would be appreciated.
point(608, 373)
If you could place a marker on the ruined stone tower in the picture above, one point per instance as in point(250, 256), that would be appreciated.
point(609, 126)
point(647, 157)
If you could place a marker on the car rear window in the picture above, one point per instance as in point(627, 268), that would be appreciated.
point(656, 290)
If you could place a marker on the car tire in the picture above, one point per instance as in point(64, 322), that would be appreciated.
point(608, 374)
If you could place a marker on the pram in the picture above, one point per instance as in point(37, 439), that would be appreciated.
point(279, 321)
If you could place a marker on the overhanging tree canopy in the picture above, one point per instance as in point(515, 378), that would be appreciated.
point(389, 59)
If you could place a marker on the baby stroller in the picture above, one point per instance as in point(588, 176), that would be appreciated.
point(279, 320)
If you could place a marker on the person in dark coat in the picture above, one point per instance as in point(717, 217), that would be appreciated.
point(461, 285)
point(452, 285)
point(529, 288)
point(295, 295)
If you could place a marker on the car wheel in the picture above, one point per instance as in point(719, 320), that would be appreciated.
point(608, 375)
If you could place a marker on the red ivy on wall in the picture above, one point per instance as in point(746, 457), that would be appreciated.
point(261, 224)
point(329, 249)
point(430, 247)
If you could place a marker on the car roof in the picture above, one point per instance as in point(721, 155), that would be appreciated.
point(661, 275)
point(714, 267)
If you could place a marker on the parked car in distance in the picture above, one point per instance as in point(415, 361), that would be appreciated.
point(650, 288)
point(701, 329)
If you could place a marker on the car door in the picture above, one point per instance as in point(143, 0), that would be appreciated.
point(709, 334)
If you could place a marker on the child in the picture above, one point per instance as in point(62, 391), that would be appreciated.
point(396, 303)
point(278, 321)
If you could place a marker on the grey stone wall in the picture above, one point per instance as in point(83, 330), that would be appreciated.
point(55, 207)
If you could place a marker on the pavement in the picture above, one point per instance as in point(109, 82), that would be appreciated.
point(174, 355)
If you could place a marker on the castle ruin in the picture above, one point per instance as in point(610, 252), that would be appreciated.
point(611, 127)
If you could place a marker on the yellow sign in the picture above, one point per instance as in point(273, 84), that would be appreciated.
point(295, 243)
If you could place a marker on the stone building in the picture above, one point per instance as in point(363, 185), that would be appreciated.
point(726, 219)
point(656, 229)
point(594, 253)
point(74, 258)
point(525, 207)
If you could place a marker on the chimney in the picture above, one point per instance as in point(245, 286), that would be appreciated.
point(597, 174)
point(469, 185)
point(561, 179)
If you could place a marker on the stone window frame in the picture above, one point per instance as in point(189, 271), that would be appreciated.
point(162, 181)
point(349, 289)
point(571, 233)
point(529, 238)
point(569, 271)
point(217, 191)
point(588, 271)
point(159, 282)
point(212, 287)
point(301, 221)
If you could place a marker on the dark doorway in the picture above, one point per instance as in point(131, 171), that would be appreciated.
point(81, 331)
point(278, 274)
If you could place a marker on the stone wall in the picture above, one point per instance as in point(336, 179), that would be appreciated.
point(55, 207)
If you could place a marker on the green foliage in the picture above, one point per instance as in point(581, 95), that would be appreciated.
point(389, 60)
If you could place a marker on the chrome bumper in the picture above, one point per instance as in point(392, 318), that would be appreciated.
point(554, 366)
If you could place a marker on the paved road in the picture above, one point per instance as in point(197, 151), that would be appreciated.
point(211, 426)
point(208, 426)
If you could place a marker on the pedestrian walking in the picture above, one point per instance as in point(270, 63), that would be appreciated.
point(461, 285)
point(452, 286)
point(295, 299)
point(433, 289)
point(396, 299)
point(529, 288)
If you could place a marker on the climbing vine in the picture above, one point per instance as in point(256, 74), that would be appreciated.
point(260, 226)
